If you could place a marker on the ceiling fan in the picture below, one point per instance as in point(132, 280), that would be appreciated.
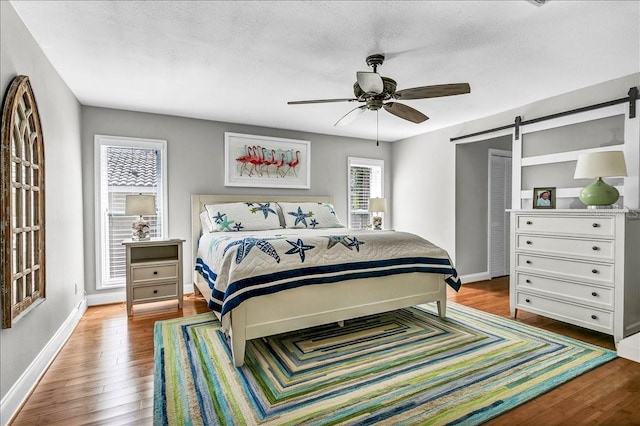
point(375, 90)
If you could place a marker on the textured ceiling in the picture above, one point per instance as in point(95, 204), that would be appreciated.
point(241, 62)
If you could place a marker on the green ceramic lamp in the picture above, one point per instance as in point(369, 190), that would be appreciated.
point(598, 165)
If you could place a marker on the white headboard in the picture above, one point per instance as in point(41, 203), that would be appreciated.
point(198, 201)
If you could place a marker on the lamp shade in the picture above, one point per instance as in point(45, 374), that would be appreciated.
point(600, 164)
point(377, 204)
point(140, 205)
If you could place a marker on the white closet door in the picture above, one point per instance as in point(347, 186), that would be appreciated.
point(499, 201)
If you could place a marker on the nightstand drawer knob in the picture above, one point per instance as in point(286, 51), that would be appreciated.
point(594, 294)
point(529, 222)
point(594, 317)
point(155, 291)
point(155, 272)
point(527, 281)
point(529, 242)
point(528, 262)
point(595, 248)
point(596, 225)
point(595, 271)
point(527, 300)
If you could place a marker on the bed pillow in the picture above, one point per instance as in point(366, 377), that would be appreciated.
point(243, 216)
point(205, 222)
point(309, 215)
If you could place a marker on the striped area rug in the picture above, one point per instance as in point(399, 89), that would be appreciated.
point(402, 367)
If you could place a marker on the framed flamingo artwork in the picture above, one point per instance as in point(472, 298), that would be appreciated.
point(266, 162)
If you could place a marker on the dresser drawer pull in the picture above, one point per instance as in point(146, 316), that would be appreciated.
point(528, 262)
point(155, 272)
point(595, 248)
point(596, 225)
point(529, 242)
point(594, 317)
point(527, 281)
point(527, 300)
point(529, 222)
point(594, 294)
point(155, 291)
point(594, 271)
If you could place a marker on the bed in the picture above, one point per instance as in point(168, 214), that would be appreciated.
point(261, 282)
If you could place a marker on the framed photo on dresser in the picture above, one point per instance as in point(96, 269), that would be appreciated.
point(544, 198)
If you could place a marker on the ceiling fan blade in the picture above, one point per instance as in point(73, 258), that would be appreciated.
point(370, 82)
point(351, 116)
point(321, 101)
point(406, 112)
point(435, 91)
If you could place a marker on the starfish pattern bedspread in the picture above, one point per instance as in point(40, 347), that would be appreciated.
point(241, 265)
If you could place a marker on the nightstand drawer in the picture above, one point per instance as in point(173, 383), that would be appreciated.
point(571, 269)
point(601, 297)
point(583, 316)
point(154, 291)
point(601, 249)
point(589, 226)
point(154, 272)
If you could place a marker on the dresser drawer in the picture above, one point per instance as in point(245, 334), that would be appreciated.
point(599, 249)
point(147, 292)
point(162, 271)
point(601, 297)
point(583, 316)
point(601, 273)
point(600, 226)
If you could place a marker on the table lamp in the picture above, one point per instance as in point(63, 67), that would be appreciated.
point(140, 205)
point(377, 205)
point(598, 165)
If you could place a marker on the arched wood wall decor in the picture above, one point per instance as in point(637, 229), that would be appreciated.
point(22, 205)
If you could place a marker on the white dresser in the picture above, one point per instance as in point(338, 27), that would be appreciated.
point(578, 266)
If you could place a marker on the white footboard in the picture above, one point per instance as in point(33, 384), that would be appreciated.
point(313, 305)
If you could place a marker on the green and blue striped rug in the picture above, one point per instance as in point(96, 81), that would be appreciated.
point(402, 367)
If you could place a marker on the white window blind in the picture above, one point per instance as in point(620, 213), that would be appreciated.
point(366, 177)
point(126, 166)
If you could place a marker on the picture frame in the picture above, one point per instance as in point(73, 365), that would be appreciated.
point(544, 198)
point(266, 162)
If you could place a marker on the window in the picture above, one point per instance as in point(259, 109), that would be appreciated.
point(125, 166)
point(366, 177)
point(22, 162)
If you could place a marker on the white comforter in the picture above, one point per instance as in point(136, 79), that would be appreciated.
point(240, 265)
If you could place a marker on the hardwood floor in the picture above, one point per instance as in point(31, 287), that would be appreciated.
point(104, 373)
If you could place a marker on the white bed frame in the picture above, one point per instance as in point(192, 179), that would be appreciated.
point(313, 305)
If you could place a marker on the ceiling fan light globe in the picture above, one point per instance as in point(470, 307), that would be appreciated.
point(370, 82)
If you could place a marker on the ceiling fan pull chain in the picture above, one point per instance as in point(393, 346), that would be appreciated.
point(377, 128)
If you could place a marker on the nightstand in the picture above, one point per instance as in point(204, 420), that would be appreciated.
point(154, 271)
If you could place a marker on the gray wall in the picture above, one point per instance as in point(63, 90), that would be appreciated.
point(424, 169)
point(472, 204)
point(60, 115)
point(195, 166)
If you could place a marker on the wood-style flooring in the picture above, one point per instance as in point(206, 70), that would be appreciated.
point(104, 373)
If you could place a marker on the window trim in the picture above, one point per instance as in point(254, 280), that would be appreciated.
point(99, 141)
point(20, 90)
point(367, 162)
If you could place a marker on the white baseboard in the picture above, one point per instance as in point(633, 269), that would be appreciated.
point(470, 278)
point(25, 384)
point(106, 298)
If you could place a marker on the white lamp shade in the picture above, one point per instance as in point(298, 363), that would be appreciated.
point(377, 205)
point(600, 164)
point(140, 205)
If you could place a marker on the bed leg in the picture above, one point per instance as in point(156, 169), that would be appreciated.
point(238, 336)
point(442, 308)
